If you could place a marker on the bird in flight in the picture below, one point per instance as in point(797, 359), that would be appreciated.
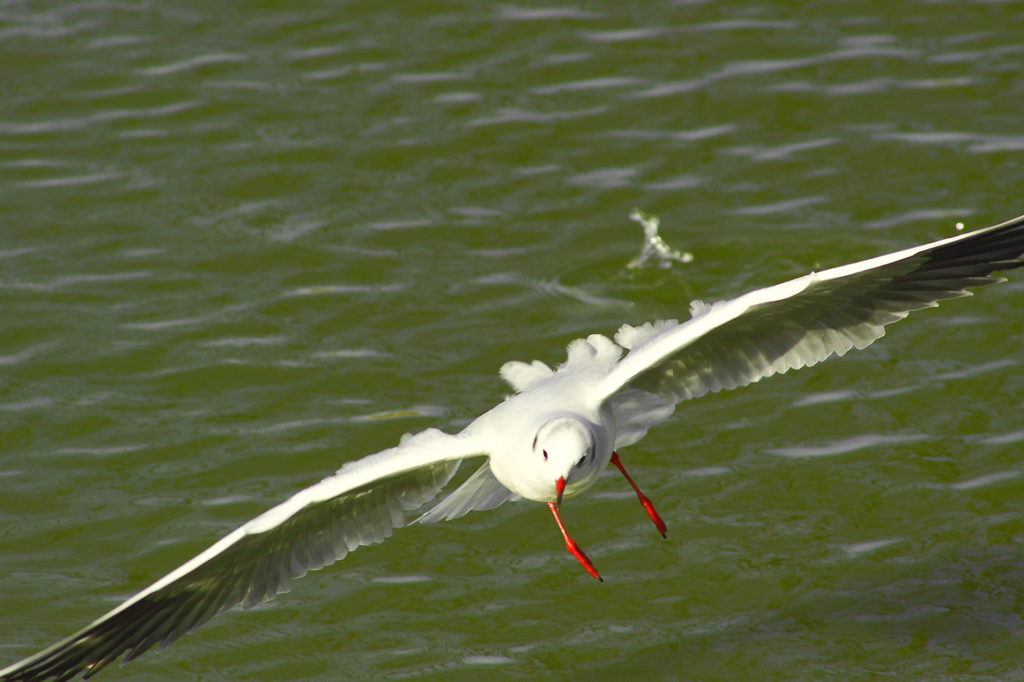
point(548, 441)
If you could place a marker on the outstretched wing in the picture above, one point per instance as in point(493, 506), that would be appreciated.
point(804, 321)
point(359, 505)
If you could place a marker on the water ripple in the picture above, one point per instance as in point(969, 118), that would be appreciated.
point(623, 35)
point(758, 153)
point(400, 579)
point(606, 178)
point(482, 659)
point(763, 66)
point(101, 452)
point(743, 25)
point(826, 397)
point(780, 206)
point(1002, 439)
point(977, 143)
point(708, 471)
point(841, 447)
point(78, 279)
point(35, 31)
point(342, 72)
point(516, 115)
point(291, 231)
point(117, 41)
point(987, 479)
point(873, 85)
point(238, 85)
point(858, 548)
point(414, 411)
point(930, 214)
point(388, 225)
point(679, 182)
point(228, 499)
point(203, 60)
point(165, 324)
point(974, 56)
point(458, 98)
point(968, 372)
point(443, 77)
point(241, 341)
point(17, 357)
point(65, 125)
point(631, 34)
point(685, 135)
point(566, 58)
point(322, 289)
point(30, 404)
point(316, 52)
point(530, 14)
point(589, 84)
point(351, 353)
point(70, 181)
point(532, 287)
point(14, 253)
point(538, 170)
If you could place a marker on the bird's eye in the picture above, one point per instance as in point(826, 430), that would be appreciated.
point(583, 460)
point(545, 455)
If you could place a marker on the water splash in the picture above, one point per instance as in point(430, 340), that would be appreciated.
point(654, 247)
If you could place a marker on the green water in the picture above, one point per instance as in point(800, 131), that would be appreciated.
point(231, 232)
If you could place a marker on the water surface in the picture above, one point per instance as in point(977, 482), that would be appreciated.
point(242, 244)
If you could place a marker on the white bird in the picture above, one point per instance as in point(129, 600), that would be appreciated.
point(551, 439)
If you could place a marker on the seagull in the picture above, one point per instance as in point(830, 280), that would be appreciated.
point(548, 441)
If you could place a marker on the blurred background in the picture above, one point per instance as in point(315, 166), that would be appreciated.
point(243, 243)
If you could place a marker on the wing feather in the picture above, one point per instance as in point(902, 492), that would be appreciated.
point(806, 320)
point(359, 505)
point(635, 412)
point(479, 492)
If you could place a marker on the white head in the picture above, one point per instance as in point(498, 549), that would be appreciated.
point(561, 448)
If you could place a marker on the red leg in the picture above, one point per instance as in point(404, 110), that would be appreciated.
point(571, 545)
point(644, 500)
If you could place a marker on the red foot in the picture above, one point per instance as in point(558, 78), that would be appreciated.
point(571, 545)
point(644, 500)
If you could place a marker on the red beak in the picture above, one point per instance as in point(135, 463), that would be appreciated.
point(559, 488)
